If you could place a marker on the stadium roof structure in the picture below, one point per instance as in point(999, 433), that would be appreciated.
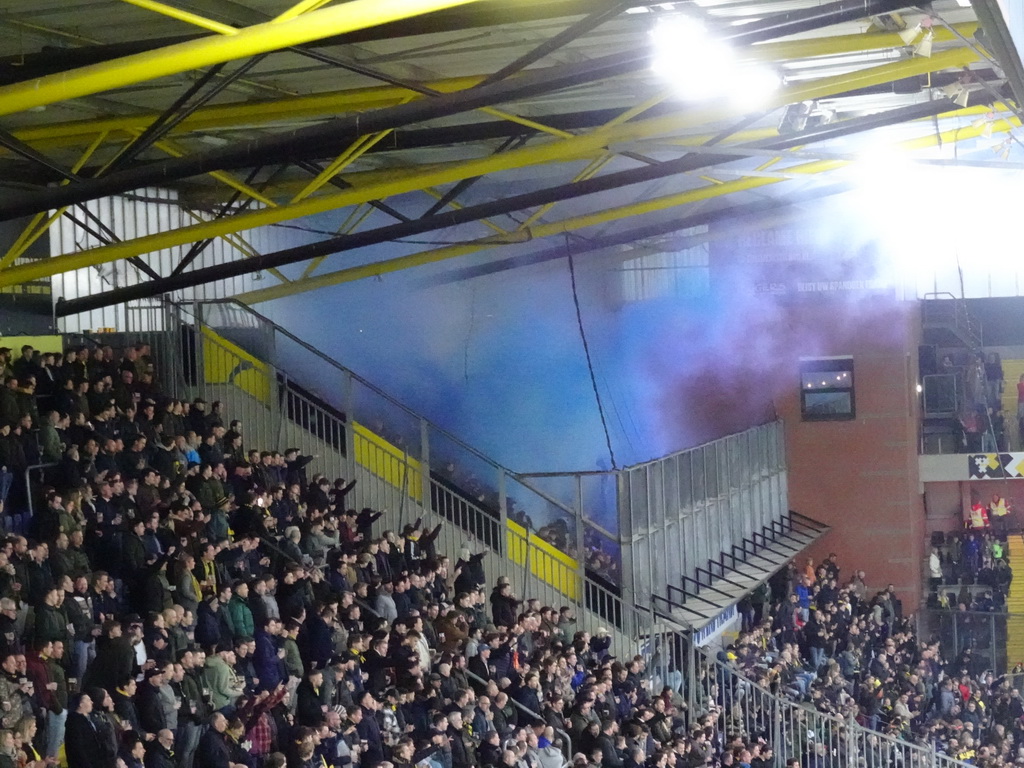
point(495, 122)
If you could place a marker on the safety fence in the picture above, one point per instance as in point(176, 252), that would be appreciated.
point(682, 511)
point(798, 730)
point(980, 638)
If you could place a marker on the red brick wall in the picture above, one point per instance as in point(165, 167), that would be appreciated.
point(861, 476)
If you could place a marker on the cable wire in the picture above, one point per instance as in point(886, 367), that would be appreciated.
point(586, 351)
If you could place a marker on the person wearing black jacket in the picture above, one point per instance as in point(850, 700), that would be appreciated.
point(470, 572)
point(478, 666)
point(340, 491)
point(214, 751)
point(503, 606)
point(150, 711)
point(364, 522)
point(115, 659)
point(195, 708)
point(103, 720)
point(610, 757)
point(81, 739)
point(296, 467)
point(378, 666)
point(124, 704)
point(529, 696)
point(369, 731)
point(462, 753)
point(310, 705)
point(161, 752)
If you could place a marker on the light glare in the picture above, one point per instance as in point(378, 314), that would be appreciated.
point(703, 68)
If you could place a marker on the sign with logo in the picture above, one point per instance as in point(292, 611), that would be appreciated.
point(715, 627)
point(995, 466)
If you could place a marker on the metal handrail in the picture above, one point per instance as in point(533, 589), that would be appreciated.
point(695, 595)
point(355, 376)
point(720, 578)
point(672, 604)
point(719, 670)
point(28, 484)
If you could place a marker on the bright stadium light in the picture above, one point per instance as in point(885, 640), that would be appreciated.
point(702, 67)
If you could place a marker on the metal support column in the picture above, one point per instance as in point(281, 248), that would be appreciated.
point(425, 490)
point(581, 554)
point(503, 537)
point(348, 400)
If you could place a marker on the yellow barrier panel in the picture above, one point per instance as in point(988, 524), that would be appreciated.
point(227, 363)
point(53, 344)
point(386, 461)
point(550, 565)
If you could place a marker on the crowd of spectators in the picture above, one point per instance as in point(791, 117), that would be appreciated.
point(974, 563)
point(852, 655)
point(180, 599)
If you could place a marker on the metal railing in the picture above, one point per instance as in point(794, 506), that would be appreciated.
point(798, 730)
point(35, 471)
point(682, 511)
point(984, 634)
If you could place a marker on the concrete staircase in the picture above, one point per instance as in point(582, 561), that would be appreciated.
point(1015, 601)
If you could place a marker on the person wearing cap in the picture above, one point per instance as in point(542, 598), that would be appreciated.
point(224, 684)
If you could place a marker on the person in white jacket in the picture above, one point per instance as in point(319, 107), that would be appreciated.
point(934, 569)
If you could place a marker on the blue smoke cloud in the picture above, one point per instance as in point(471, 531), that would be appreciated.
point(498, 361)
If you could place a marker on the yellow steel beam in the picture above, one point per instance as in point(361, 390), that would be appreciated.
point(300, 108)
point(239, 243)
point(598, 217)
point(356, 150)
point(298, 9)
point(587, 173)
point(555, 151)
point(207, 51)
point(34, 231)
point(354, 220)
point(500, 113)
point(185, 16)
point(600, 162)
point(308, 6)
